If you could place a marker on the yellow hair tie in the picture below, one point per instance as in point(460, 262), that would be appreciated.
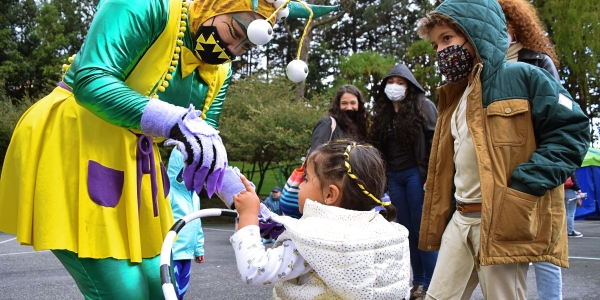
point(351, 175)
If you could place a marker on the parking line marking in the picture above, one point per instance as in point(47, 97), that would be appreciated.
point(28, 252)
point(216, 229)
point(581, 257)
point(8, 240)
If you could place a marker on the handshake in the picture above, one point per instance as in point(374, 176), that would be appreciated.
point(202, 148)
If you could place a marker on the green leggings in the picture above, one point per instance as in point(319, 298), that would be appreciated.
point(111, 278)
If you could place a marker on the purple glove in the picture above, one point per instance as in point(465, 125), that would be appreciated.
point(232, 185)
point(203, 151)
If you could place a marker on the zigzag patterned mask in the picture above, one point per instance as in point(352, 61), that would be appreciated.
point(210, 47)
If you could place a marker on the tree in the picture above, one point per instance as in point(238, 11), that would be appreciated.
point(574, 27)
point(262, 123)
point(37, 38)
point(421, 60)
point(365, 70)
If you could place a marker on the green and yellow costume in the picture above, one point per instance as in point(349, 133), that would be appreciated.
point(79, 176)
point(45, 185)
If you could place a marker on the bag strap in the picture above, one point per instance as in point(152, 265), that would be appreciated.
point(333, 124)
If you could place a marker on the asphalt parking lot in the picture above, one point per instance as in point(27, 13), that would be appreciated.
point(26, 274)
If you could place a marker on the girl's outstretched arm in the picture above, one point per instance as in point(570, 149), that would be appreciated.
point(258, 266)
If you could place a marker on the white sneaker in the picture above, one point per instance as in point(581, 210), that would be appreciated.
point(575, 233)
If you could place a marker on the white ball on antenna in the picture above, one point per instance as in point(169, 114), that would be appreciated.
point(260, 32)
point(297, 70)
point(283, 13)
point(279, 3)
point(270, 1)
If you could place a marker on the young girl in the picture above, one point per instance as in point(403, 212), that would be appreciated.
point(341, 248)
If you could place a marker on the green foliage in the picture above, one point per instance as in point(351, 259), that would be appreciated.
point(365, 70)
point(574, 27)
point(35, 40)
point(421, 60)
point(10, 114)
point(262, 125)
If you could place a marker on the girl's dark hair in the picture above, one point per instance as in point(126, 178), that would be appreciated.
point(356, 130)
point(366, 164)
point(406, 123)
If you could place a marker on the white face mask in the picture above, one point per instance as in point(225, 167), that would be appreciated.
point(395, 92)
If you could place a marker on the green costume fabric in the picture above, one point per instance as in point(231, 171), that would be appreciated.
point(112, 50)
point(112, 278)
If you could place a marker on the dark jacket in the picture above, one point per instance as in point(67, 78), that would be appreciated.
point(322, 132)
point(529, 136)
point(575, 186)
point(422, 142)
point(538, 59)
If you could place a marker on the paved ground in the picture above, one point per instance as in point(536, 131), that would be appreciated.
point(25, 274)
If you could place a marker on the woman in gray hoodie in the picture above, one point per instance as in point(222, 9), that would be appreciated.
point(402, 130)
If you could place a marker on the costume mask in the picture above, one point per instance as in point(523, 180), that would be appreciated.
point(210, 47)
point(351, 114)
point(455, 62)
point(395, 92)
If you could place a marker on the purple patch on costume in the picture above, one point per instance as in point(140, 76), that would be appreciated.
point(105, 185)
point(165, 180)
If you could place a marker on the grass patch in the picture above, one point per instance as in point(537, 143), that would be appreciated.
point(271, 177)
point(271, 180)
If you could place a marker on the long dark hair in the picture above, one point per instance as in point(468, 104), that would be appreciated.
point(406, 123)
point(366, 164)
point(357, 129)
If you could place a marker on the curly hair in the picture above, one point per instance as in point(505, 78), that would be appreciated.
point(356, 129)
point(406, 123)
point(426, 23)
point(522, 19)
point(367, 166)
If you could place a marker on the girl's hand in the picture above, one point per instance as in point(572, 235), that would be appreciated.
point(247, 205)
point(199, 259)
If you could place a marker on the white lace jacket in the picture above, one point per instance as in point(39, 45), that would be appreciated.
point(330, 253)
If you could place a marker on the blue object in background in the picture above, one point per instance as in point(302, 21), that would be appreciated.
point(588, 179)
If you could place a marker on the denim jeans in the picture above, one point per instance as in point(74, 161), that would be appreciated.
point(406, 192)
point(548, 280)
point(570, 206)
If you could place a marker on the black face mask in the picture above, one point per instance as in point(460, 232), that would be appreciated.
point(351, 114)
point(207, 41)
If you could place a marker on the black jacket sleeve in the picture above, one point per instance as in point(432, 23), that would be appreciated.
point(575, 186)
point(321, 133)
point(431, 115)
point(547, 64)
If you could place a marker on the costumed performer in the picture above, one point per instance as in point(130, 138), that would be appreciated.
point(82, 175)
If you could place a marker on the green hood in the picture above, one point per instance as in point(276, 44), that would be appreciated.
point(484, 23)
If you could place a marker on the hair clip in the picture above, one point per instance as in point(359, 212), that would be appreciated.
point(351, 175)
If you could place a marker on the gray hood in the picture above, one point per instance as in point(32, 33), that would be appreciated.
point(401, 70)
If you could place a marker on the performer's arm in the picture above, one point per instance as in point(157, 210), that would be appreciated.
point(121, 32)
point(214, 112)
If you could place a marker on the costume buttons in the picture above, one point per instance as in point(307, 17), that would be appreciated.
point(507, 110)
point(428, 246)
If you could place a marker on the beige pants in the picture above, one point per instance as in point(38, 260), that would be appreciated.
point(455, 276)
